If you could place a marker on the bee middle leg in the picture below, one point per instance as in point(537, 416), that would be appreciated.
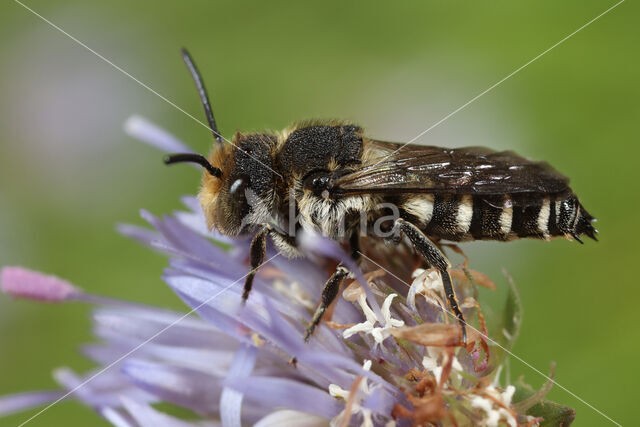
point(436, 258)
point(329, 294)
point(332, 286)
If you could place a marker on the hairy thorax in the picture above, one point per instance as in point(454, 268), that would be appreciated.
point(335, 218)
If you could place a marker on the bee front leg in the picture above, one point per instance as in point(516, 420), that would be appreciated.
point(436, 258)
point(257, 252)
point(329, 293)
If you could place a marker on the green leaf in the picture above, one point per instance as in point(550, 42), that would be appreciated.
point(553, 414)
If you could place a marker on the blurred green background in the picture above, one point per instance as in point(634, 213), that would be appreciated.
point(68, 173)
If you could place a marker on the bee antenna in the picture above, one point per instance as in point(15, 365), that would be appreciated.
point(202, 91)
point(193, 158)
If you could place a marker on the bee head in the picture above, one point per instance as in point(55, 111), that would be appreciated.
point(239, 196)
point(237, 182)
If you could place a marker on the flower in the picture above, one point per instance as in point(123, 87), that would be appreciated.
point(361, 392)
point(497, 406)
point(426, 282)
point(385, 357)
point(379, 333)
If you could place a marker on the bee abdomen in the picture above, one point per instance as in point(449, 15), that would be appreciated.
point(446, 216)
point(492, 217)
point(500, 217)
point(454, 217)
point(530, 215)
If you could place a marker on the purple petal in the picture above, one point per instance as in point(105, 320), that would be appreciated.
point(183, 238)
point(192, 203)
point(104, 355)
point(339, 365)
point(270, 324)
point(140, 325)
point(19, 402)
point(283, 393)
point(116, 417)
point(185, 387)
point(147, 416)
point(194, 219)
point(220, 303)
point(227, 270)
point(286, 417)
point(380, 401)
point(195, 222)
point(182, 242)
point(214, 302)
point(231, 400)
point(235, 273)
point(216, 362)
point(243, 362)
point(140, 128)
point(308, 274)
point(141, 234)
point(100, 388)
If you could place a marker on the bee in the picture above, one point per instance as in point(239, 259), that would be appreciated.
point(329, 178)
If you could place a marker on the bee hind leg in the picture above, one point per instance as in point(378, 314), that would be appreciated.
point(257, 253)
point(329, 294)
point(436, 258)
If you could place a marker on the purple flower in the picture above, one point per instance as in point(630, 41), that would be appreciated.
point(388, 354)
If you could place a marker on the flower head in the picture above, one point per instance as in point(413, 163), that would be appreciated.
point(388, 354)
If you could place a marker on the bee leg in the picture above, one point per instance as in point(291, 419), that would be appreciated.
point(436, 258)
point(329, 293)
point(257, 252)
point(354, 244)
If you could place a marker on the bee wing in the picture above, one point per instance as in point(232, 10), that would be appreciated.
point(469, 170)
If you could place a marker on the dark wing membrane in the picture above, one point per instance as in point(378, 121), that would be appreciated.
point(469, 170)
